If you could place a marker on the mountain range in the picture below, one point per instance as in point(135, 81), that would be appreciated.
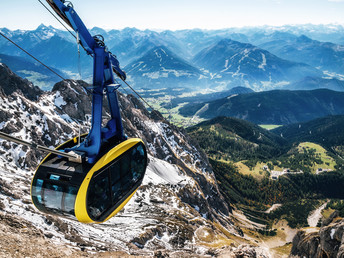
point(227, 58)
point(249, 65)
point(326, 56)
point(55, 48)
point(239, 139)
point(321, 32)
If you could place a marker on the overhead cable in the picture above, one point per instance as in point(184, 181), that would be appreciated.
point(153, 110)
point(57, 19)
point(31, 55)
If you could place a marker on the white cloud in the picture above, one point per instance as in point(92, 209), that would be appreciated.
point(337, 1)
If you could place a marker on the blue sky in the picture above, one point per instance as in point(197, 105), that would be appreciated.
point(178, 14)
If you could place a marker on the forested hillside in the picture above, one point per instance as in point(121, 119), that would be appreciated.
point(236, 139)
point(327, 131)
point(233, 143)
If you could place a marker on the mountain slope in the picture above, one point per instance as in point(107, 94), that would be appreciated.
point(273, 107)
point(327, 241)
point(323, 55)
point(327, 131)
point(130, 43)
point(243, 62)
point(160, 67)
point(10, 83)
point(236, 139)
point(35, 72)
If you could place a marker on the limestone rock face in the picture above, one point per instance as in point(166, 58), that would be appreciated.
point(10, 82)
point(328, 242)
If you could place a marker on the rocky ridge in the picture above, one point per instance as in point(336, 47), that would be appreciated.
point(178, 207)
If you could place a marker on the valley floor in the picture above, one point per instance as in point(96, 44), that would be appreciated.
point(316, 215)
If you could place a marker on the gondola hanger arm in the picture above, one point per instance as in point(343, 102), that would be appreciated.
point(105, 63)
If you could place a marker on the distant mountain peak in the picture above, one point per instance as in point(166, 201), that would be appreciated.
point(45, 32)
point(162, 67)
point(160, 55)
point(304, 39)
point(98, 30)
point(44, 27)
point(249, 65)
point(233, 43)
point(4, 30)
point(240, 90)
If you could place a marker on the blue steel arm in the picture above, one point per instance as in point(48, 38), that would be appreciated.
point(115, 66)
point(103, 79)
point(72, 18)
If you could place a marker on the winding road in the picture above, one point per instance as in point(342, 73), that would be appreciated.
point(315, 215)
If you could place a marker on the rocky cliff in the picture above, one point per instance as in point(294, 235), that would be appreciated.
point(327, 242)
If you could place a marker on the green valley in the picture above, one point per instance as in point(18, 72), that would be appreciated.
point(257, 168)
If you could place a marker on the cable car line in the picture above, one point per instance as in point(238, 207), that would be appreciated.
point(73, 157)
point(139, 96)
point(103, 43)
point(149, 105)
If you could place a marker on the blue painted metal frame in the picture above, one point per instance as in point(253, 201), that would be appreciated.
point(103, 80)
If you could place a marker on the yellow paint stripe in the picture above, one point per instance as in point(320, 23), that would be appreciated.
point(81, 202)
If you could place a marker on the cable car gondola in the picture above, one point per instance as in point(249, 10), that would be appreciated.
point(94, 176)
point(91, 193)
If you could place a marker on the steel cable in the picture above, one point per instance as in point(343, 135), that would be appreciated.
point(57, 19)
point(31, 55)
